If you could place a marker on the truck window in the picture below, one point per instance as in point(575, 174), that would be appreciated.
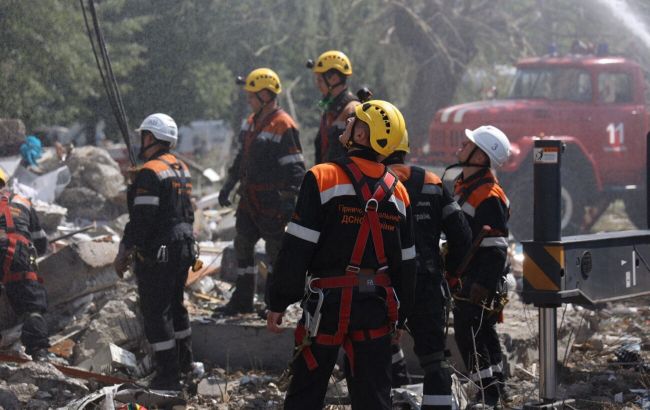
point(614, 88)
point(569, 84)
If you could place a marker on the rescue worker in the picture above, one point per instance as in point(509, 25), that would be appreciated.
point(21, 239)
point(159, 239)
point(484, 203)
point(352, 232)
point(434, 212)
point(331, 72)
point(269, 167)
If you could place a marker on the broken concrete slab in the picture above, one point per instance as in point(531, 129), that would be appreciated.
point(115, 323)
point(239, 346)
point(78, 269)
point(46, 377)
point(109, 358)
point(49, 215)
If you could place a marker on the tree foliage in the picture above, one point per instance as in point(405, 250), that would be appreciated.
point(181, 56)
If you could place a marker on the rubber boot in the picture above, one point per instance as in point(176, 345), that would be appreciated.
point(185, 355)
point(501, 380)
point(490, 394)
point(167, 371)
point(242, 298)
point(400, 374)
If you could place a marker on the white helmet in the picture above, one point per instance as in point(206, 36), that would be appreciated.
point(493, 142)
point(162, 126)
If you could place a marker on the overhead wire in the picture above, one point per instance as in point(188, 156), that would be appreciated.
point(105, 68)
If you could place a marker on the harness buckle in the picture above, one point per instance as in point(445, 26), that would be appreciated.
point(352, 269)
point(372, 205)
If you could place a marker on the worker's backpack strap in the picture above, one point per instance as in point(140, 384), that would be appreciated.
point(370, 225)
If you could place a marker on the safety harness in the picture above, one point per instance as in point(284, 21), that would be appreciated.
point(13, 238)
point(354, 277)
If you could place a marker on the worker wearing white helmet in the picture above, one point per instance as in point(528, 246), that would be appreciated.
point(159, 239)
point(481, 298)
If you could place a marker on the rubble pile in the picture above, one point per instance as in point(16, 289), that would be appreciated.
point(97, 188)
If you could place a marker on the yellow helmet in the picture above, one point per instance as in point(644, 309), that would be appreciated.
point(333, 60)
point(3, 177)
point(263, 78)
point(404, 143)
point(386, 124)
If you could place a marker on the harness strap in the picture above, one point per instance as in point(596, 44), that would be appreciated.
point(13, 238)
point(370, 225)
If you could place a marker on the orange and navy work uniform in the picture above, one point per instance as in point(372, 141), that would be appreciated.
point(160, 206)
point(19, 230)
point(485, 203)
point(434, 212)
point(320, 239)
point(160, 229)
point(327, 142)
point(21, 239)
point(269, 164)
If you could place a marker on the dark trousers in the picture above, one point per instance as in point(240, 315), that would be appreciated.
point(28, 299)
point(470, 320)
point(160, 287)
point(427, 324)
point(369, 387)
point(250, 228)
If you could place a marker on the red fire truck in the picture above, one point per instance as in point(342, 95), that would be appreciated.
point(596, 104)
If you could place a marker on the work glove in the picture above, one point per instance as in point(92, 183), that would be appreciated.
point(223, 197)
point(478, 294)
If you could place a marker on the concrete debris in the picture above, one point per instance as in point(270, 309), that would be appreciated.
point(50, 215)
point(46, 377)
point(97, 187)
point(109, 358)
point(115, 324)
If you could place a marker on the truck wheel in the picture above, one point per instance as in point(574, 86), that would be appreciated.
point(578, 189)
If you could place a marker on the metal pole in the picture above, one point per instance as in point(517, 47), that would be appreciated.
point(547, 354)
point(547, 228)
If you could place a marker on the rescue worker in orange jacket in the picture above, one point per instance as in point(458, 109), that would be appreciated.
point(21, 239)
point(352, 233)
point(159, 239)
point(331, 72)
point(484, 203)
point(269, 167)
point(434, 212)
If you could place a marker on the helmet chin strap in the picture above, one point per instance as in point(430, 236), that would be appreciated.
point(462, 164)
point(327, 100)
point(264, 103)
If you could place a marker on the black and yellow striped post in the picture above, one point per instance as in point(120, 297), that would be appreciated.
point(544, 259)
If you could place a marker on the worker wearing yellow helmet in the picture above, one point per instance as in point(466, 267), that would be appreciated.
point(351, 230)
point(21, 240)
point(435, 212)
point(269, 167)
point(331, 72)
